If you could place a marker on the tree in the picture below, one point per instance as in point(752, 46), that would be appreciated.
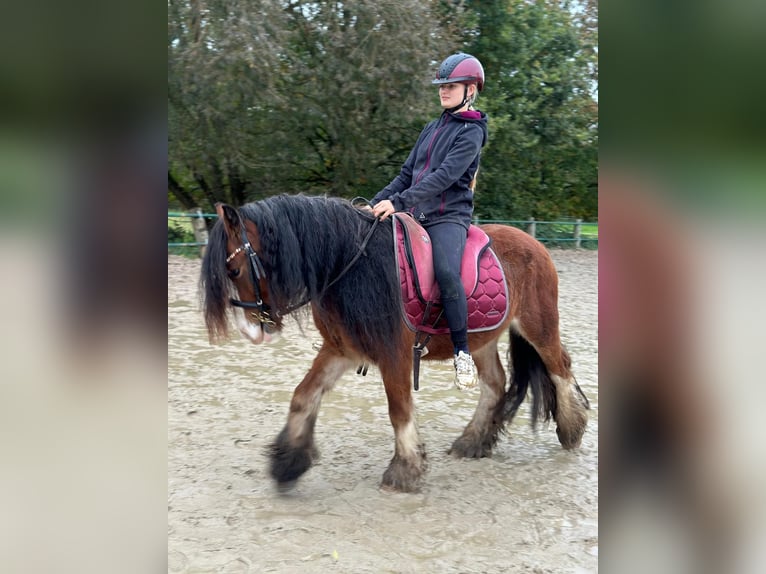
point(317, 97)
point(221, 81)
point(541, 160)
point(272, 96)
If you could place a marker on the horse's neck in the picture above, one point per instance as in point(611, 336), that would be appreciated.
point(338, 256)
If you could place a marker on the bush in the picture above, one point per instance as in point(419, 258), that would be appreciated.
point(179, 234)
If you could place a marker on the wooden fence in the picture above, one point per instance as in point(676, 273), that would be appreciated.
point(187, 231)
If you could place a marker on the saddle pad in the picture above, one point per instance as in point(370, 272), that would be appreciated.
point(482, 274)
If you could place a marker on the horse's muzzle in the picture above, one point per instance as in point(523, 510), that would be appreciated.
point(257, 332)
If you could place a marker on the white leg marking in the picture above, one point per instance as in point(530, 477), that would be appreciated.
point(571, 411)
point(325, 380)
point(408, 440)
point(487, 400)
point(564, 391)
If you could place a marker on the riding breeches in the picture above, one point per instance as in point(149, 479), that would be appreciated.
point(448, 243)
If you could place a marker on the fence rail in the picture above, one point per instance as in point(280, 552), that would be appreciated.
point(187, 231)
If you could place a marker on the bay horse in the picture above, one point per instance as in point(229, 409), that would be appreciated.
point(292, 252)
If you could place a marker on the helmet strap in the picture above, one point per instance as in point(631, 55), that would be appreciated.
point(461, 104)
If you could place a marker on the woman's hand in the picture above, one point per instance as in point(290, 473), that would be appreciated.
point(383, 209)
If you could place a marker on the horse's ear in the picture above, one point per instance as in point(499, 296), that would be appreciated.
point(230, 218)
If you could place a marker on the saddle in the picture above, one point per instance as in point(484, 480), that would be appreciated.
point(481, 272)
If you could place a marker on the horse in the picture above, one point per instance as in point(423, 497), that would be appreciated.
point(286, 253)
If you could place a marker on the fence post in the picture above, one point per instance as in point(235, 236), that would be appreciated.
point(577, 230)
point(200, 231)
point(531, 227)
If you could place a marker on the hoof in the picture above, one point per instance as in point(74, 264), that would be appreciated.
point(572, 417)
point(286, 487)
point(471, 446)
point(391, 489)
point(288, 463)
point(392, 485)
point(570, 440)
point(403, 475)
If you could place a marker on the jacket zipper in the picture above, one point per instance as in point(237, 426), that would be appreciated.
point(444, 193)
point(428, 154)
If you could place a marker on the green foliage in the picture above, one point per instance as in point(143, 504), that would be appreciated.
point(542, 157)
point(178, 233)
point(268, 97)
point(323, 97)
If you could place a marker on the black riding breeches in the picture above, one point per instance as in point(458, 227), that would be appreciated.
point(448, 243)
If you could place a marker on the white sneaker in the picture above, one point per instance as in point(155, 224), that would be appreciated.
point(465, 371)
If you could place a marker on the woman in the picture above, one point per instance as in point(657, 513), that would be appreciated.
point(435, 186)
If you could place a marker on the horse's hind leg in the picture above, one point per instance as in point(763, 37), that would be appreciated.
point(571, 414)
point(481, 434)
point(406, 468)
point(293, 452)
point(567, 403)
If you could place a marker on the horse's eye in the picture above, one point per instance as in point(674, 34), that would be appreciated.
point(234, 273)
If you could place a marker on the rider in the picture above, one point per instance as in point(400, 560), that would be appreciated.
point(434, 185)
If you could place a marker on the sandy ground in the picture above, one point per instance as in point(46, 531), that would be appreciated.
point(532, 507)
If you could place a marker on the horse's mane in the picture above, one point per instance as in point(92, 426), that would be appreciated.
point(305, 243)
point(215, 286)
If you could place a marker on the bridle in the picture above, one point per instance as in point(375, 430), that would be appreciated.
point(261, 310)
point(258, 309)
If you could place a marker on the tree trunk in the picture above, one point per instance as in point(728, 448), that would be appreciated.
point(206, 190)
point(184, 197)
point(236, 185)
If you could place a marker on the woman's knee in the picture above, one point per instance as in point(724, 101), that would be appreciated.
point(450, 285)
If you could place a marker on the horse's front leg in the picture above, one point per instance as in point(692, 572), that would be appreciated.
point(409, 462)
point(293, 452)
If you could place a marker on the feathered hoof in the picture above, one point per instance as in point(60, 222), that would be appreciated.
point(288, 463)
point(572, 421)
point(571, 438)
point(470, 447)
point(403, 475)
point(286, 487)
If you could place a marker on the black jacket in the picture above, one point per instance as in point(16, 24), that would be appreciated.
point(434, 181)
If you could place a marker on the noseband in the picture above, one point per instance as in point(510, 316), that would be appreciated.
point(258, 309)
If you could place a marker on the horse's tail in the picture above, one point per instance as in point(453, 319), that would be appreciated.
point(528, 372)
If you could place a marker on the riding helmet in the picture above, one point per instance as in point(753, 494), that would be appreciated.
point(460, 68)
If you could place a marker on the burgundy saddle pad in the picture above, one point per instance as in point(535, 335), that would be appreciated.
point(481, 272)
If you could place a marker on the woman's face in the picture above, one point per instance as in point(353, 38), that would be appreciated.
point(451, 95)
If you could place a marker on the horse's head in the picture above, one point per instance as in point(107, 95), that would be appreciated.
point(232, 266)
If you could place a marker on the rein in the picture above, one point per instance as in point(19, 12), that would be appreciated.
point(359, 253)
point(259, 309)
